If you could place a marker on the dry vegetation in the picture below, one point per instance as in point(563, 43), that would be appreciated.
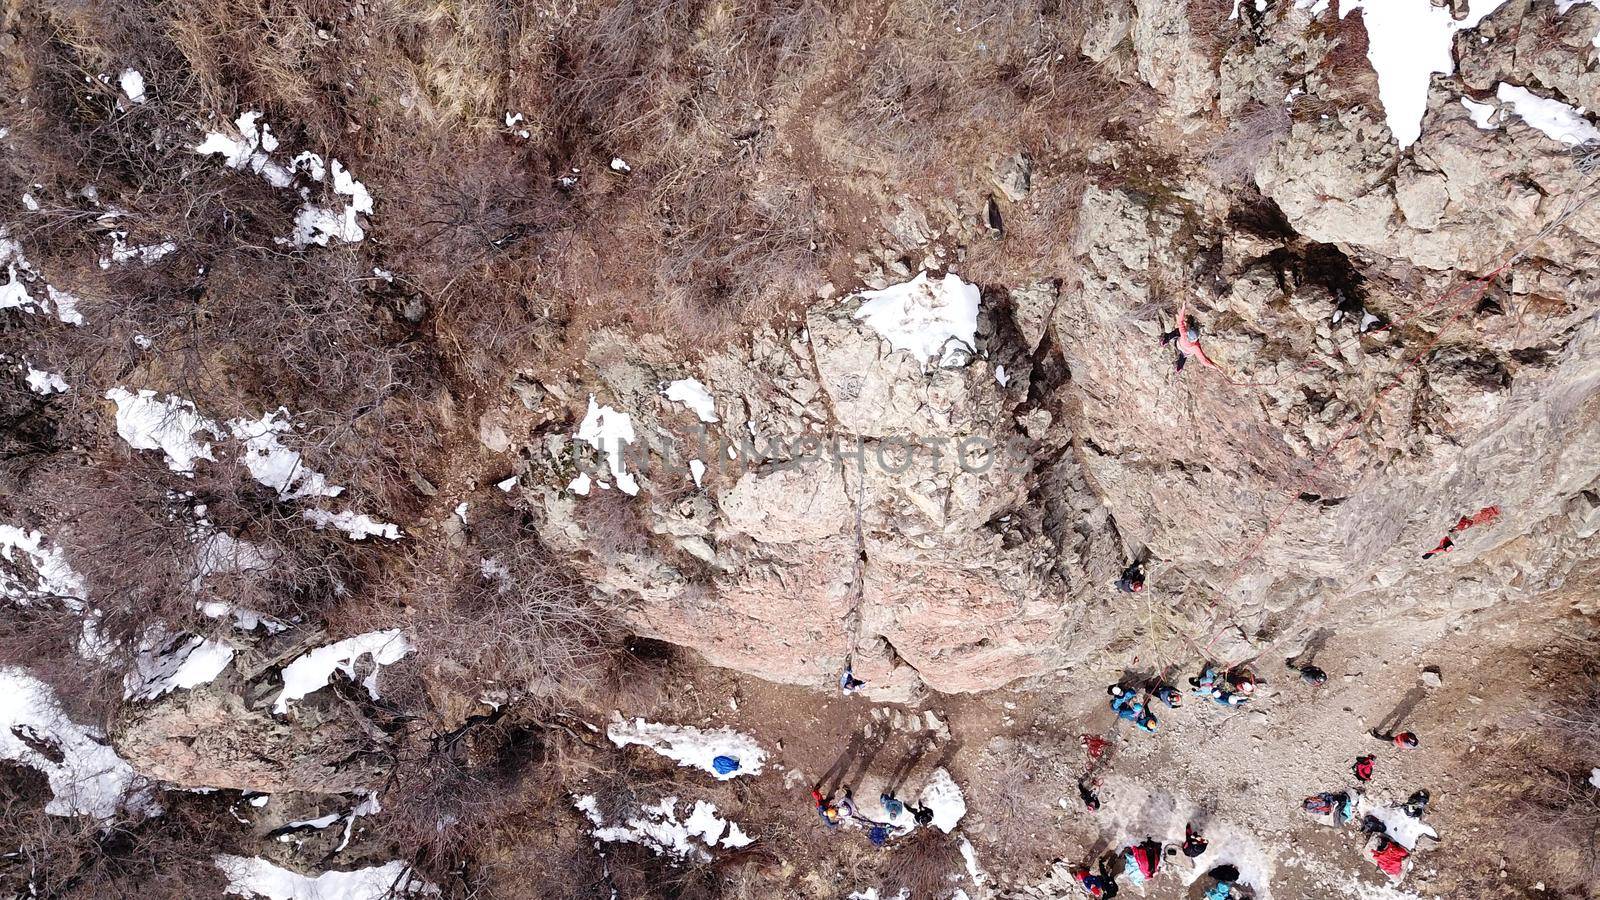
point(765, 142)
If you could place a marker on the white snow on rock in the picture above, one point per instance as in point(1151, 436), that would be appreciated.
point(90, 779)
point(358, 526)
point(693, 394)
point(132, 84)
point(275, 465)
point(121, 252)
point(690, 746)
point(14, 292)
point(1407, 42)
point(46, 383)
point(697, 471)
point(606, 430)
point(313, 224)
point(255, 877)
point(507, 484)
point(659, 828)
point(169, 425)
point(312, 671)
point(941, 796)
point(931, 320)
point(163, 666)
point(1481, 113)
point(1556, 120)
point(1594, 778)
point(51, 576)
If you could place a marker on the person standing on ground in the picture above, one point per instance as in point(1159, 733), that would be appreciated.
point(1405, 740)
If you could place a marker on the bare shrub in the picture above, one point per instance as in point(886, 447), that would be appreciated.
point(57, 856)
point(925, 863)
point(1564, 799)
point(614, 524)
point(507, 615)
point(1234, 155)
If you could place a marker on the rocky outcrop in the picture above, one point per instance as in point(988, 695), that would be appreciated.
point(955, 525)
point(210, 738)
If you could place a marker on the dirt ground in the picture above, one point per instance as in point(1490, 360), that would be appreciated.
point(1240, 774)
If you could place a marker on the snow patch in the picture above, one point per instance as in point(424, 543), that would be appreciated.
point(52, 577)
point(89, 779)
point(14, 292)
point(691, 393)
point(313, 224)
point(1556, 120)
point(46, 383)
point(168, 425)
point(132, 84)
point(121, 252)
point(1407, 42)
point(606, 430)
point(358, 526)
point(275, 465)
point(690, 746)
point(255, 877)
point(924, 317)
point(312, 671)
point(659, 828)
point(943, 797)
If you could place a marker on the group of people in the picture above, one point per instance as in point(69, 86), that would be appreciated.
point(1230, 687)
point(840, 811)
point(1140, 862)
point(1339, 808)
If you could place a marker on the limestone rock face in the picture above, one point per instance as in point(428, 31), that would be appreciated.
point(208, 738)
point(1380, 371)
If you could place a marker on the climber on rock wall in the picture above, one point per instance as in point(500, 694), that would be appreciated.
point(1132, 580)
point(1187, 334)
point(1484, 516)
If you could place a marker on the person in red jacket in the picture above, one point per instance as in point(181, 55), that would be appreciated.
point(1387, 854)
point(1405, 740)
point(1101, 885)
point(1485, 516)
point(1187, 334)
point(1362, 768)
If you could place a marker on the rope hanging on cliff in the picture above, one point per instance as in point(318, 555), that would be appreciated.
point(852, 617)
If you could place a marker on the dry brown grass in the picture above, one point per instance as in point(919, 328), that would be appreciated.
point(55, 856)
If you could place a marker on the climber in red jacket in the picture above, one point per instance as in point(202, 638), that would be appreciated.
point(1485, 516)
point(1187, 334)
